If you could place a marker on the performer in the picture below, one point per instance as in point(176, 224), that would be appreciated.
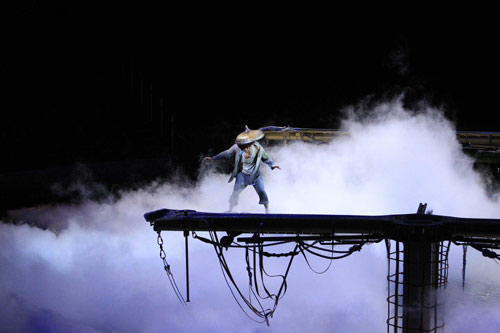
point(247, 154)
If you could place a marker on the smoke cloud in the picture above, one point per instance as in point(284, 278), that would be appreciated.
point(95, 266)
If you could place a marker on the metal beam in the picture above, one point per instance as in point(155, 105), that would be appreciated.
point(404, 227)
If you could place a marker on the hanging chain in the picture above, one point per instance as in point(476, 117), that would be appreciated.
point(166, 267)
point(163, 256)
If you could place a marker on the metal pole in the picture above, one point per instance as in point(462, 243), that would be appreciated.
point(464, 262)
point(420, 281)
point(186, 234)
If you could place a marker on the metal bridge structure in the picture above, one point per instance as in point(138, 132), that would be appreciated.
point(417, 244)
point(484, 147)
point(468, 139)
point(417, 248)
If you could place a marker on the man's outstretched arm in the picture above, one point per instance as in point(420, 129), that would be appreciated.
point(267, 159)
point(226, 154)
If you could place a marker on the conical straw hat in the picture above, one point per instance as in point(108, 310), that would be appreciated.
point(249, 136)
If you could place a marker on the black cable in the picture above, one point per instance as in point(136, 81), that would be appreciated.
point(258, 252)
point(327, 250)
point(312, 269)
point(227, 274)
point(283, 288)
point(208, 241)
point(486, 252)
point(229, 278)
point(353, 248)
point(225, 270)
point(261, 313)
point(262, 272)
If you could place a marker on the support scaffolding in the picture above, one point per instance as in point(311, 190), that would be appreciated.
point(417, 248)
point(416, 273)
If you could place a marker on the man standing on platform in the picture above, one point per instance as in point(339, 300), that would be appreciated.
point(247, 154)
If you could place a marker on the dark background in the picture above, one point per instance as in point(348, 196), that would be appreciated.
point(121, 95)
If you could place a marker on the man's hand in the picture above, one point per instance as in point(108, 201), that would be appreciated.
point(275, 167)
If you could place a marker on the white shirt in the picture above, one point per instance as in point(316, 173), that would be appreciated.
point(249, 163)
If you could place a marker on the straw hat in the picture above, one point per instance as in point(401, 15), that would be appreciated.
point(249, 136)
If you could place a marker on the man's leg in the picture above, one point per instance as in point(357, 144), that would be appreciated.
point(239, 185)
point(259, 188)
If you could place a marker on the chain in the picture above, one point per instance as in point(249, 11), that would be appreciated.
point(166, 267)
point(162, 254)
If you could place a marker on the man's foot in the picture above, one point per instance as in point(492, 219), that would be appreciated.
point(230, 210)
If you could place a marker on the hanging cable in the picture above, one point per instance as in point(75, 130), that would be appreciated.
point(352, 249)
point(234, 245)
point(227, 275)
point(264, 314)
point(486, 252)
point(167, 269)
point(257, 274)
point(319, 248)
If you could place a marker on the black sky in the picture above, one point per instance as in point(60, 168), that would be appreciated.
point(102, 83)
